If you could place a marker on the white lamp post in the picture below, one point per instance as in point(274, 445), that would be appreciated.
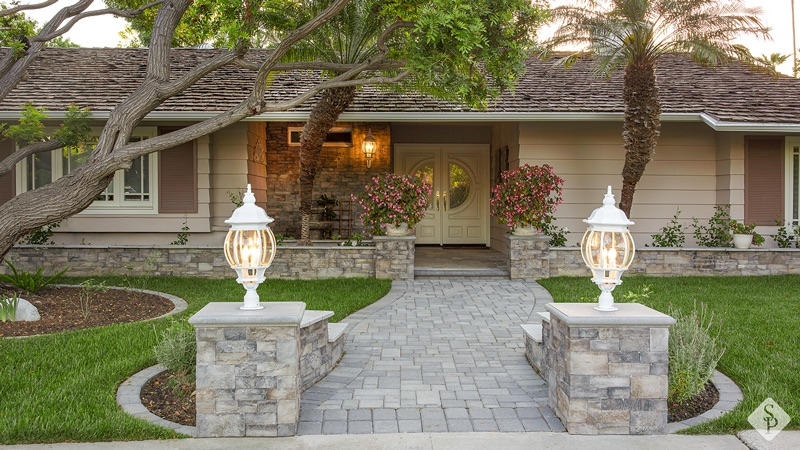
point(607, 249)
point(369, 147)
point(250, 247)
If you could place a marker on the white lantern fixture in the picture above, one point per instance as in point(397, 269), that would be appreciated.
point(369, 146)
point(250, 247)
point(607, 249)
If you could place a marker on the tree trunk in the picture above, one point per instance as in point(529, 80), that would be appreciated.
point(641, 127)
point(331, 104)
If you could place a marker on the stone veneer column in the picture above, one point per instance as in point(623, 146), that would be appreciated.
point(607, 371)
point(248, 369)
point(394, 257)
point(528, 257)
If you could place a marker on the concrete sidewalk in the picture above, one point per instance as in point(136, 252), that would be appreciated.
point(427, 441)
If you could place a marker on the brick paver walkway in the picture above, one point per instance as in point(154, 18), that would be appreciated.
point(438, 355)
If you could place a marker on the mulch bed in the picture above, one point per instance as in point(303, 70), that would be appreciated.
point(165, 396)
point(60, 310)
point(695, 406)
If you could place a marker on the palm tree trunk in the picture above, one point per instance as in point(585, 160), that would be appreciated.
point(331, 104)
point(641, 127)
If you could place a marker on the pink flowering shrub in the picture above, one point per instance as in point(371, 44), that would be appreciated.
point(391, 199)
point(527, 195)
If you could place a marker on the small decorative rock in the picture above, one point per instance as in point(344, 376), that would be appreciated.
point(26, 312)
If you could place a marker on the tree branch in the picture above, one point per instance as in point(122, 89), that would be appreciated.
point(129, 13)
point(317, 65)
point(8, 163)
point(20, 8)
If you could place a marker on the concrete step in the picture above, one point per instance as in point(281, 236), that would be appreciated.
point(422, 273)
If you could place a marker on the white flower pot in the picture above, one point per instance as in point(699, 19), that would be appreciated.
point(742, 240)
point(397, 230)
point(526, 230)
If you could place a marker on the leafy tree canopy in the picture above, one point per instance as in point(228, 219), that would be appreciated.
point(15, 28)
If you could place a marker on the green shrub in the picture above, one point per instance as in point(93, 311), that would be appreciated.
point(26, 281)
point(718, 231)
point(41, 235)
point(177, 348)
point(558, 235)
point(8, 307)
point(671, 235)
point(87, 295)
point(693, 352)
point(785, 240)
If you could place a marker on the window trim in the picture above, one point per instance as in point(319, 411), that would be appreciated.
point(119, 207)
point(791, 193)
point(291, 143)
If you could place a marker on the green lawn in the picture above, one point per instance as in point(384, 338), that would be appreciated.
point(62, 387)
point(760, 331)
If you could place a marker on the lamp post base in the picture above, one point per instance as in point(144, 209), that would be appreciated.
point(251, 300)
point(606, 301)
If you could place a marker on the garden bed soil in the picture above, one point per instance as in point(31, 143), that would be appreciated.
point(60, 310)
point(695, 406)
point(170, 398)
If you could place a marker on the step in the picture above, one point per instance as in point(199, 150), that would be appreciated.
point(545, 316)
point(461, 273)
point(335, 330)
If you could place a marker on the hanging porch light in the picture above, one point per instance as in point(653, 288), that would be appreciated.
point(607, 249)
point(250, 247)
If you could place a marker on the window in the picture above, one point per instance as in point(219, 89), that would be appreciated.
point(793, 180)
point(337, 136)
point(131, 190)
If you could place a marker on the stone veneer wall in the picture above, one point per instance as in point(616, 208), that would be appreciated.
point(342, 171)
point(317, 355)
point(390, 257)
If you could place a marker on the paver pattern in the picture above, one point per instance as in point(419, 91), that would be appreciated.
point(436, 356)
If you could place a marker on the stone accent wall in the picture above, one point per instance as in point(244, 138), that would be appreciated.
point(394, 257)
point(390, 258)
point(688, 261)
point(528, 257)
point(342, 171)
point(318, 356)
point(607, 374)
point(248, 370)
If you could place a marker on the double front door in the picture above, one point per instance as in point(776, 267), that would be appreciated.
point(459, 204)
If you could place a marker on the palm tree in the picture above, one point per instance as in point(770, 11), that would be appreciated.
point(349, 38)
point(771, 62)
point(633, 34)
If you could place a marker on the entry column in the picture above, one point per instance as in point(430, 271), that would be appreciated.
point(248, 369)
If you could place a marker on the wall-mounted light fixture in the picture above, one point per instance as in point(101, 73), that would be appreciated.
point(369, 146)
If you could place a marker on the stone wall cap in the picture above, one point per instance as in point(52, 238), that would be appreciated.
point(310, 317)
point(228, 314)
point(629, 314)
point(535, 237)
point(410, 237)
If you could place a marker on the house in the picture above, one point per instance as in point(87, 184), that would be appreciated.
point(729, 136)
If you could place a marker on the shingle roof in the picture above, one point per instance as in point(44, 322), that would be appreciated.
point(101, 78)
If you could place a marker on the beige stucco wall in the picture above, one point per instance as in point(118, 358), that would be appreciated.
point(682, 174)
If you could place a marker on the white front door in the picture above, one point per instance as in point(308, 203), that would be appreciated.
point(459, 206)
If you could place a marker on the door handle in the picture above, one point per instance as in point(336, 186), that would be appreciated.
point(444, 194)
point(437, 200)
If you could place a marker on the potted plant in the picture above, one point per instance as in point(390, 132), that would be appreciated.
point(526, 198)
point(745, 235)
point(393, 203)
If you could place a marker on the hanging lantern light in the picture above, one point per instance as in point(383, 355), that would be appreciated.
point(607, 249)
point(369, 146)
point(250, 247)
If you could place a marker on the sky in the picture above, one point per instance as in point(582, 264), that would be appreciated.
point(103, 31)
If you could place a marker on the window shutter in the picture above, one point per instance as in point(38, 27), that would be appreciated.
point(177, 179)
point(763, 178)
point(7, 180)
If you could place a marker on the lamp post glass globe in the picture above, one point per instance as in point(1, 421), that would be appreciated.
point(250, 247)
point(607, 249)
